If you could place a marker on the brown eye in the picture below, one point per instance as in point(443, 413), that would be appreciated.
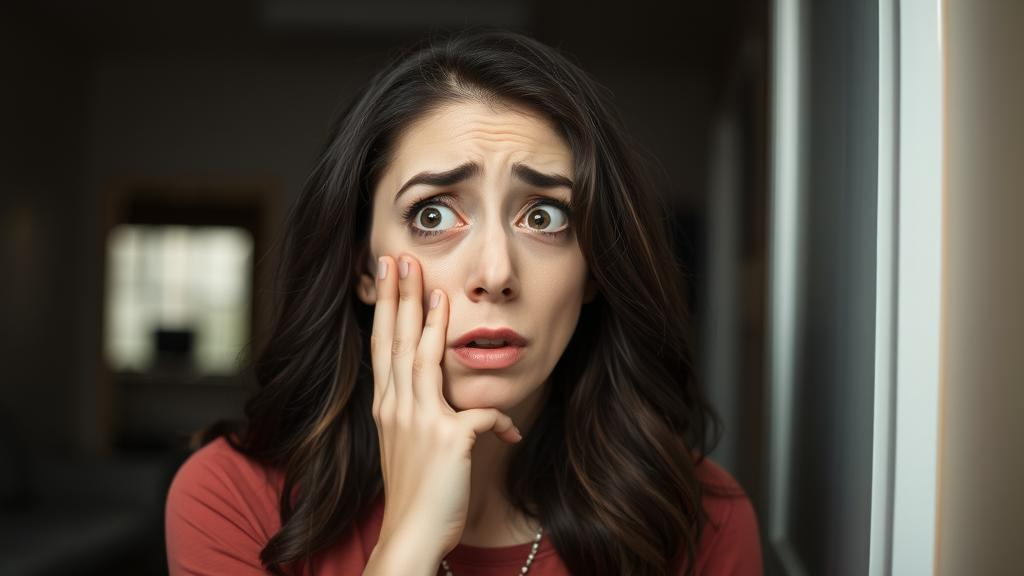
point(430, 217)
point(433, 219)
point(540, 218)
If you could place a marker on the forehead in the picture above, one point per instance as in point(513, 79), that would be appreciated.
point(475, 131)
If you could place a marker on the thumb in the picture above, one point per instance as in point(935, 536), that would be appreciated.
point(483, 420)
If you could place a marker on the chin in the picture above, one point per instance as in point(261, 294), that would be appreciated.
point(482, 391)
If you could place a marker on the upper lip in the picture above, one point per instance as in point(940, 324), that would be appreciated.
point(510, 336)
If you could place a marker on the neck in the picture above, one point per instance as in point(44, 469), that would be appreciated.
point(491, 520)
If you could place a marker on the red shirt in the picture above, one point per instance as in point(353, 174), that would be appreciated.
point(222, 508)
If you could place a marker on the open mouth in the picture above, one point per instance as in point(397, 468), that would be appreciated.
point(489, 355)
point(487, 344)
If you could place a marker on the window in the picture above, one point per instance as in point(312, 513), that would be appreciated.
point(178, 298)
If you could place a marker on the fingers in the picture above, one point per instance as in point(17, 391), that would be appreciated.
point(408, 328)
point(483, 420)
point(383, 328)
point(402, 343)
point(426, 371)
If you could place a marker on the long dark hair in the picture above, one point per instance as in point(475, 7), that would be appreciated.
point(609, 465)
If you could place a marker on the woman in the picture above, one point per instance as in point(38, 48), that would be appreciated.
point(477, 272)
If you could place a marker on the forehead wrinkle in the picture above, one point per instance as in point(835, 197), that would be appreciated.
point(511, 124)
point(527, 146)
point(481, 147)
point(479, 134)
point(501, 136)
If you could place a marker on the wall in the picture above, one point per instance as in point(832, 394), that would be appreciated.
point(981, 500)
point(195, 94)
point(42, 131)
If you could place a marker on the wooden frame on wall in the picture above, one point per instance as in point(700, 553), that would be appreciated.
point(252, 203)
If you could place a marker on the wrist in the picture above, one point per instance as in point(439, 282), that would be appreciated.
point(406, 552)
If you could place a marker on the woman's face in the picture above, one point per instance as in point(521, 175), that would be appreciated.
point(488, 250)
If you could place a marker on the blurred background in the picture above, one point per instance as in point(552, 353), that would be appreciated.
point(843, 178)
point(150, 152)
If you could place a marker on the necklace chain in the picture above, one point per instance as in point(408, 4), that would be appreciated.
point(523, 570)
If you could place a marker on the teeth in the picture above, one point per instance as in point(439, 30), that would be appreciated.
point(484, 343)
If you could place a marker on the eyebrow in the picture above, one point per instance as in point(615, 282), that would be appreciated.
point(470, 169)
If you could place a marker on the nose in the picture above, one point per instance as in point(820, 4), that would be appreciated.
point(493, 272)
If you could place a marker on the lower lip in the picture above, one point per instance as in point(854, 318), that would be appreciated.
point(489, 358)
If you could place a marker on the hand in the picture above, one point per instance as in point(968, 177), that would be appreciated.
point(425, 445)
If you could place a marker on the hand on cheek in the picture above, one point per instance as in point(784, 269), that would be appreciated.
point(425, 444)
point(427, 285)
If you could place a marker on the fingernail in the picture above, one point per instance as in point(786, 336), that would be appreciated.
point(403, 268)
point(435, 298)
point(382, 268)
point(519, 435)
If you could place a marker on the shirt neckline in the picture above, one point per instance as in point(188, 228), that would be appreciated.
point(484, 556)
point(514, 555)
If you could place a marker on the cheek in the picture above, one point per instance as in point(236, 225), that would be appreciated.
point(566, 279)
point(438, 272)
point(387, 238)
point(563, 310)
point(571, 294)
point(559, 302)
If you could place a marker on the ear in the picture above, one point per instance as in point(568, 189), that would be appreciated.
point(366, 289)
point(366, 283)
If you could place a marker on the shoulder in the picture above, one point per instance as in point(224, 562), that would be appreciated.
point(221, 509)
point(717, 480)
point(219, 476)
point(730, 542)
